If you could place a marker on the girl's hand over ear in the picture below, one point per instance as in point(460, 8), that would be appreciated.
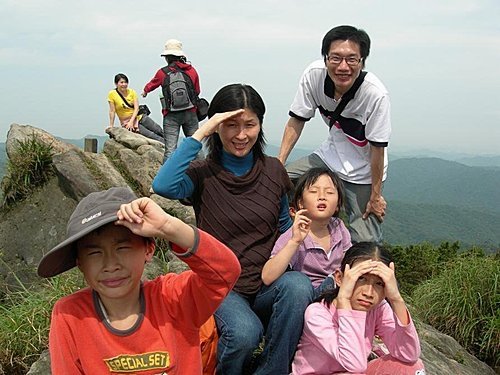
point(391, 291)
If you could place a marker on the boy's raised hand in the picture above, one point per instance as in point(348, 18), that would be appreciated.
point(301, 226)
point(144, 218)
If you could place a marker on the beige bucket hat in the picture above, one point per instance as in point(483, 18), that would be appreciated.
point(173, 47)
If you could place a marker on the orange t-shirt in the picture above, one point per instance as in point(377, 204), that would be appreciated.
point(166, 338)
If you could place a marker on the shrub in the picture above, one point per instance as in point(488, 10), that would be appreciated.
point(464, 301)
point(418, 263)
point(25, 321)
point(30, 166)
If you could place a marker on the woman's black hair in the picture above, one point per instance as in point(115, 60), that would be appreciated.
point(171, 58)
point(309, 178)
point(230, 98)
point(120, 76)
point(358, 252)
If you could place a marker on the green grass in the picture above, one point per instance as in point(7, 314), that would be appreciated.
point(415, 264)
point(29, 167)
point(25, 320)
point(463, 301)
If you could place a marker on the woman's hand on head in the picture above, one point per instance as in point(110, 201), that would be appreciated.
point(213, 123)
point(301, 226)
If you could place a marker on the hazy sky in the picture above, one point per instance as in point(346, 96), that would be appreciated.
point(440, 60)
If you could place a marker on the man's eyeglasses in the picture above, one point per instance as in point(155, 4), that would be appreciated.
point(350, 60)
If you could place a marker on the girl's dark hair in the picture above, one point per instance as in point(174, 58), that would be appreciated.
point(358, 252)
point(171, 58)
point(120, 76)
point(310, 177)
point(230, 98)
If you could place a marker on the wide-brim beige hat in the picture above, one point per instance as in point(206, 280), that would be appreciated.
point(173, 47)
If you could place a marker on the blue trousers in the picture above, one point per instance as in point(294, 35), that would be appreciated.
point(277, 311)
point(172, 124)
point(327, 284)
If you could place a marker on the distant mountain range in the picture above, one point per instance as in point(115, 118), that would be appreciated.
point(442, 182)
point(429, 198)
point(408, 223)
point(436, 199)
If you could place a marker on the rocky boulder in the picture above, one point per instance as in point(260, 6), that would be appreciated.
point(442, 354)
point(19, 133)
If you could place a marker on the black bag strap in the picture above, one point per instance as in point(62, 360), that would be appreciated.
point(346, 98)
point(124, 100)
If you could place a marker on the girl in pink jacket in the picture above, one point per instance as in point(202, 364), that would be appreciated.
point(339, 329)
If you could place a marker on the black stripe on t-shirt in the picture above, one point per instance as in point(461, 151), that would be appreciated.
point(291, 114)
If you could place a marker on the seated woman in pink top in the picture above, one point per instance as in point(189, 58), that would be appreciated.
point(339, 329)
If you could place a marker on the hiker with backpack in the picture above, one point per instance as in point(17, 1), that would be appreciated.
point(356, 107)
point(180, 86)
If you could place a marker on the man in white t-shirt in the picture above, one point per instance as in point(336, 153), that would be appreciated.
point(356, 147)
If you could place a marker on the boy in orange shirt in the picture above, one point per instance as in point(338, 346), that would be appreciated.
point(120, 324)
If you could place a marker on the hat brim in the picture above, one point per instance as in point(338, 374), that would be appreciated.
point(63, 257)
point(174, 52)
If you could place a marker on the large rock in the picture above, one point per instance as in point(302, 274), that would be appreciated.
point(132, 140)
point(80, 173)
point(42, 366)
point(442, 354)
point(19, 133)
point(30, 229)
point(138, 158)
